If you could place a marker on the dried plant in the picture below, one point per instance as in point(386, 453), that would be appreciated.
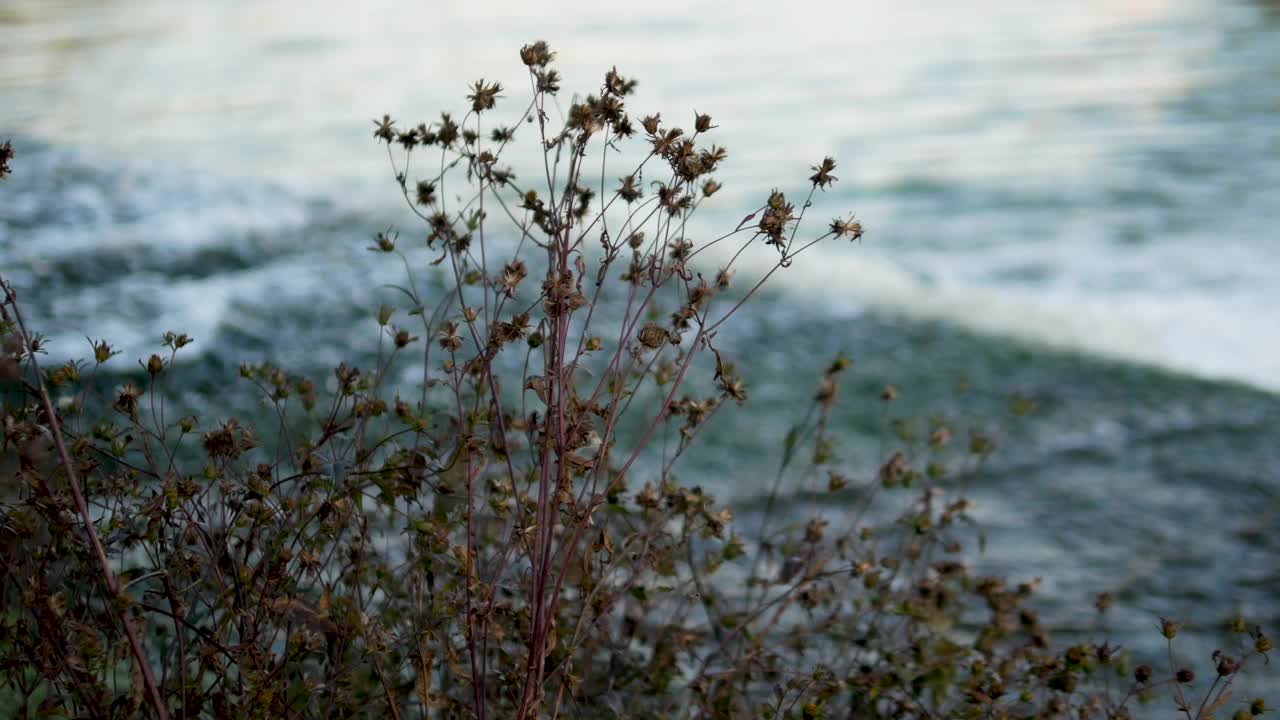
point(480, 525)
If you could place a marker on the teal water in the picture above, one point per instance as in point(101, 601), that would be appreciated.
point(1077, 204)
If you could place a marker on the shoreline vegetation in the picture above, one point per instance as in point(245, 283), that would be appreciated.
point(507, 535)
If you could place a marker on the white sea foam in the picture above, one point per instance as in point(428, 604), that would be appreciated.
point(1204, 333)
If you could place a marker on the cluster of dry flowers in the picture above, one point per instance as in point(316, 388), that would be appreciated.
point(501, 537)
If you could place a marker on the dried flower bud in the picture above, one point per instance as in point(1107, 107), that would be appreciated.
point(710, 187)
point(384, 315)
point(1169, 628)
point(1142, 674)
point(1184, 676)
point(403, 338)
point(651, 123)
point(702, 122)
point(154, 365)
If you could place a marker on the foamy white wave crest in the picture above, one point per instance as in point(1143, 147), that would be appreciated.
point(1194, 333)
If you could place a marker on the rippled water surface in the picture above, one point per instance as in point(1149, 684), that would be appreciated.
point(1077, 202)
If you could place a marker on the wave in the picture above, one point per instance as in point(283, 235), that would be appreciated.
point(1200, 334)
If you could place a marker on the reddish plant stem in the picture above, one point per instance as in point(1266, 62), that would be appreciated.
point(73, 480)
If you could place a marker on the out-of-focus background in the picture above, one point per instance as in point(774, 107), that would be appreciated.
point(1073, 201)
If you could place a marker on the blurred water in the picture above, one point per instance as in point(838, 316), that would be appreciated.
point(1077, 201)
point(1096, 175)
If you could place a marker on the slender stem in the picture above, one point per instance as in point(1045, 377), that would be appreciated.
point(108, 576)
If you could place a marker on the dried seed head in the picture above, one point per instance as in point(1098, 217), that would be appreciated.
point(385, 129)
point(548, 81)
point(630, 191)
point(1142, 674)
point(1184, 676)
point(448, 336)
point(814, 530)
point(702, 122)
point(384, 242)
point(154, 365)
point(224, 443)
point(615, 84)
point(448, 132)
point(1261, 642)
point(652, 336)
point(483, 96)
point(773, 223)
point(408, 139)
point(1169, 628)
point(426, 192)
point(849, 228)
point(127, 400)
point(822, 176)
point(537, 54)
point(513, 273)
point(6, 154)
